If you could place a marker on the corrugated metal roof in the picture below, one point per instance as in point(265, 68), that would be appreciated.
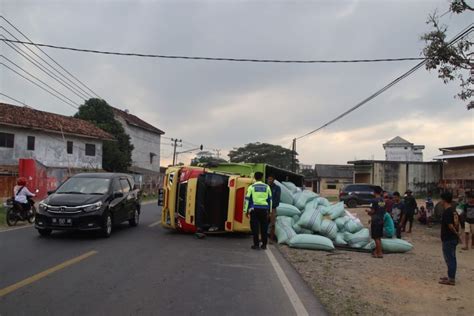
point(454, 156)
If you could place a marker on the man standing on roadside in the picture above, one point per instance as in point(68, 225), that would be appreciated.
point(276, 193)
point(410, 207)
point(449, 237)
point(377, 213)
point(398, 213)
point(258, 203)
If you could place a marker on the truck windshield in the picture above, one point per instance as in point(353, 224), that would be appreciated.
point(84, 186)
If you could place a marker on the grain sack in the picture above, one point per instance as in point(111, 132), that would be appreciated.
point(300, 230)
point(359, 239)
point(295, 218)
point(334, 211)
point(285, 220)
point(290, 186)
point(353, 225)
point(306, 241)
point(340, 240)
point(395, 245)
point(341, 221)
point(370, 246)
point(287, 210)
point(311, 205)
point(300, 199)
point(284, 232)
point(328, 228)
point(311, 219)
point(286, 196)
point(324, 202)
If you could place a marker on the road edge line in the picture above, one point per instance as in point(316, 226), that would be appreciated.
point(289, 290)
point(16, 228)
point(154, 224)
point(18, 285)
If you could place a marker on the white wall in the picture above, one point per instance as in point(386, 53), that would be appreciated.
point(144, 143)
point(402, 154)
point(50, 149)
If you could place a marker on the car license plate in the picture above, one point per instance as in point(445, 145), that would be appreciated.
point(62, 221)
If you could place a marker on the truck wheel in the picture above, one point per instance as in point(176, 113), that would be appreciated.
point(351, 203)
point(45, 232)
point(135, 219)
point(107, 226)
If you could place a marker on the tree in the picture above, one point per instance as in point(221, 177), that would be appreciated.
point(117, 155)
point(263, 153)
point(455, 61)
point(206, 160)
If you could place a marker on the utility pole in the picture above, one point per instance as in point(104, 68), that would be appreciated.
point(293, 156)
point(175, 144)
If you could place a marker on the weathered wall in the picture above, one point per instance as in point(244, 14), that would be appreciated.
point(339, 183)
point(460, 168)
point(423, 177)
point(402, 154)
point(50, 150)
point(145, 143)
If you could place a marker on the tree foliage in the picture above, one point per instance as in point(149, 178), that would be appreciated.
point(117, 155)
point(263, 153)
point(453, 62)
point(206, 160)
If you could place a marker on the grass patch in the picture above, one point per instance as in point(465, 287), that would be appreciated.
point(3, 220)
point(332, 198)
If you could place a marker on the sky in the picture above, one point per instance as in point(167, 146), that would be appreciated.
point(223, 105)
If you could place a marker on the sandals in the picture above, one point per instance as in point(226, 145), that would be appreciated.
point(377, 257)
point(447, 282)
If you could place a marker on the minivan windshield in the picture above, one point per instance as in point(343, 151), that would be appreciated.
point(97, 186)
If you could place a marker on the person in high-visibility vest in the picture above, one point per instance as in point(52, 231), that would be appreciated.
point(258, 204)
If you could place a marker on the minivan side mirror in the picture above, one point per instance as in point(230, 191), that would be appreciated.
point(118, 195)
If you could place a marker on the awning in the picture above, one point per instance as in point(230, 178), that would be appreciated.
point(453, 156)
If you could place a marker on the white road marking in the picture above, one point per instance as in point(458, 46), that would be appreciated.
point(16, 228)
point(155, 223)
point(290, 291)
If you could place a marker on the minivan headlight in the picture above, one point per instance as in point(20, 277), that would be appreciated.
point(93, 207)
point(42, 206)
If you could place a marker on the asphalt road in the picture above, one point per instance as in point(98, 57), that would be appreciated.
point(145, 270)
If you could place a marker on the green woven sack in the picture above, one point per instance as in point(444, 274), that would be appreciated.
point(340, 240)
point(303, 198)
point(311, 219)
point(316, 242)
point(359, 239)
point(353, 226)
point(290, 186)
point(341, 221)
point(328, 228)
point(396, 245)
point(286, 196)
point(334, 210)
point(287, 210)
point(284, 232)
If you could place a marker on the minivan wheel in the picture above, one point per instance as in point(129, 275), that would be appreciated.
point(351, 203)
point(45, 232)
point(135, 219)
point(107, 227)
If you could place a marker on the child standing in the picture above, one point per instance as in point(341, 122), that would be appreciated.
point(377, 213)
point(429, 205)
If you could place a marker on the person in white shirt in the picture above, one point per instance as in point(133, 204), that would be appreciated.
point(21, 193)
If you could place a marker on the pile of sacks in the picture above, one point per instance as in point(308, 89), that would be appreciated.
point(306, 220)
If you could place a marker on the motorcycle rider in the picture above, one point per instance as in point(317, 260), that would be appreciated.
point(21, 195)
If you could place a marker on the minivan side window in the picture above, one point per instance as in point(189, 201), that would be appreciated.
point(116, 186)
point(125, 185)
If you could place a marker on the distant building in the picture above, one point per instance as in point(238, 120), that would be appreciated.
point(399, 149)
point(145, 138)
point(458, 169)
point(329, 179)
point(400, 176)
point(305, 167)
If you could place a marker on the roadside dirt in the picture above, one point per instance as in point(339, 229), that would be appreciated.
point(352, 283)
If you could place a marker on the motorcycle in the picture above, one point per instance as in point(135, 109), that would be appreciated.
point(15, 211)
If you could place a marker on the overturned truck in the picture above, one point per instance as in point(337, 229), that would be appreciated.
point(211, 198)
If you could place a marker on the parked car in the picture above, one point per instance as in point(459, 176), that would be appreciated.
point(358, 194)
point(90, 201)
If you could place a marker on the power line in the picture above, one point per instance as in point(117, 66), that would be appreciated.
point(11, 98)
point(285, 61)
point(51, 58)
point(386, 87)
point(55, 95)
point(45, 70)
point(9, 60)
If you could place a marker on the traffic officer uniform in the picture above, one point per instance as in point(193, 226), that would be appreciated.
point(259, 203)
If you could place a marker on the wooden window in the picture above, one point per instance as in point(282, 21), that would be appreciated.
point(90, 150)
point(7, 140)
point(30, 143)
point(70, 146)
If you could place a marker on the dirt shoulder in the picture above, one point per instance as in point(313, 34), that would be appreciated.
point(352, 283)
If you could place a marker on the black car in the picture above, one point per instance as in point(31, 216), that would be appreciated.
point(90, 201)
point(358, 194)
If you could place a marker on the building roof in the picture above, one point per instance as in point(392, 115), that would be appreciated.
point(464, 147)
point(453, 156)
point(334, 171)
point(26, 117)
point(398, 141)
point(136, 121)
